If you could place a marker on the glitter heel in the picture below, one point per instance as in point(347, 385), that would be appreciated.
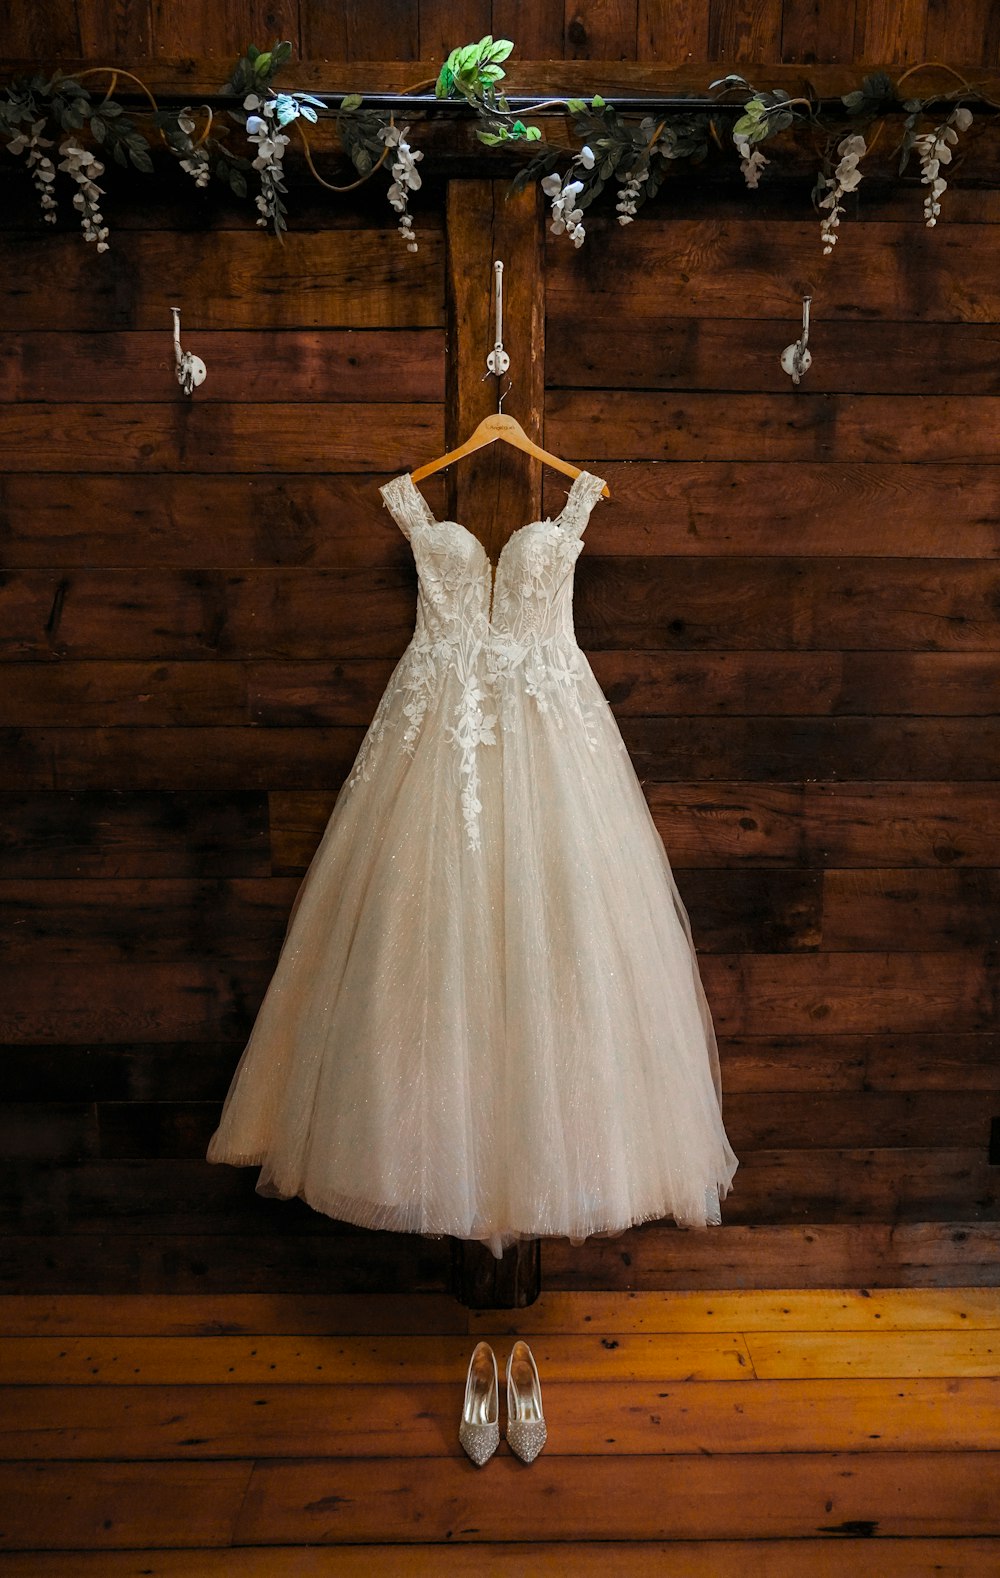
point(526, 1432)
point(479, 1431)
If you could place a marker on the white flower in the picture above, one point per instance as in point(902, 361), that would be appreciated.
point(934, 150)
point(405, 176)
point(270, 143)
point(564, 216)
point(43, 174)
point(586, 157)
point(846, 178)
point(752, 161)
point(82, 166)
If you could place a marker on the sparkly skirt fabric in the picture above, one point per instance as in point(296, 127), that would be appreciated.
point(495, 1043)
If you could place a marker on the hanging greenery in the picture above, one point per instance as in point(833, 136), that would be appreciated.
point(244, 146)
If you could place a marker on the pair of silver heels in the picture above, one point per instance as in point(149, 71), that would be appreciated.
point(479, 1431)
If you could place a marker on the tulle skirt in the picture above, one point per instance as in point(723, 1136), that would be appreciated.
point(496, 1043)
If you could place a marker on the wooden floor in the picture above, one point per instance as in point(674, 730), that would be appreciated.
point(758, 1434)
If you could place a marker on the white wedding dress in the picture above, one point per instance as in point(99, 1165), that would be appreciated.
point(487, 1018)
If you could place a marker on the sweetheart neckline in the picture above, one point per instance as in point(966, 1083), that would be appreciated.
point(494, 570)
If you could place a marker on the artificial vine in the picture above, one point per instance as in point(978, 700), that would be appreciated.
point(636, 153)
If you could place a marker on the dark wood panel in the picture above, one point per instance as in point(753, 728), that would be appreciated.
point(734, 825)
point(683, 749)
point(958, 1253)
point(670, 267)
point(754, 1122)
point(732, 354)
point(351, 279)
point(201, 1071)
point(622, 604)
point(791, 994)
point(945, 1061)
point(198, 521)
point(108, 833)
point(192, 1197)
point(94, 1070)
point(222, 437)
point(148, 1262)
point(308, 365)
point(338, 520)
point(135, 1001)
point(657, 425)
point(873, 909)
point(147, 918)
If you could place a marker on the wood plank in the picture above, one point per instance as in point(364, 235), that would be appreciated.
point(635, 1498)
point(130, 1001)
point(712, 508)
point(879, 909)
point(132, 1198)
point(165, 918)
point(743, 749)
point(919, 1557)
point(855, 825)
point(309, 364)
point(777, 994)
point(754, 1121)
point(641, 603)
point(928, 1061)
point(328, 278)
point(670, 267)
point(88, 436)
point(731, 354)
point(207, 1315)
point(51, 1506)
point(124, 1071)
point(811, 1255)
point(312, 1360)
point(745, 30)
point(757, 508)
point(135, 1129)
point(202, 521)
point(784, 1355)
point(639, 424)
point(605, 30)
point(729, 824)
point(824, 1310)
point(743, 1310)
point(418, 1419)
point(284, 694)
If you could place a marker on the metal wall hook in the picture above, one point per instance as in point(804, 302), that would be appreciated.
point(797, 359)
point(191, 370)
point(497, 362)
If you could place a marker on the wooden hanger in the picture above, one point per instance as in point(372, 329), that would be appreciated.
point(509, 430)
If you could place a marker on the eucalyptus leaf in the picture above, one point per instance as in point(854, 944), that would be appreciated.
point(351, 102)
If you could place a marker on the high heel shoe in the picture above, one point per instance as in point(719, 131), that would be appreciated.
point(479, 1431)
point(526, 1432)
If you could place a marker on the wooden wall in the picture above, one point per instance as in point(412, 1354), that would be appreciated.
point(791, 603)
point(728, 31)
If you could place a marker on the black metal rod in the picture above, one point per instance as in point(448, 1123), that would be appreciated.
point(518, 103)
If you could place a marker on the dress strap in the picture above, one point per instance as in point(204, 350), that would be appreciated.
point(586, 489)
point(406, 504)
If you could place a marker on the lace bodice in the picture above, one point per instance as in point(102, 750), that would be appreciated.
point(489, 633)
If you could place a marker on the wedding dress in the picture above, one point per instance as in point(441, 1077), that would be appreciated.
point(487, 1018)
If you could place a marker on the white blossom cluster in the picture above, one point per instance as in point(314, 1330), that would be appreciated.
point(83, 167)
point(271, 143)
point(934, 150)
point(752, 162)
point(196, 163)
point(628, 197)
point(43, 174)
point(845, 178)
point(563, 189)
point(405, 179)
